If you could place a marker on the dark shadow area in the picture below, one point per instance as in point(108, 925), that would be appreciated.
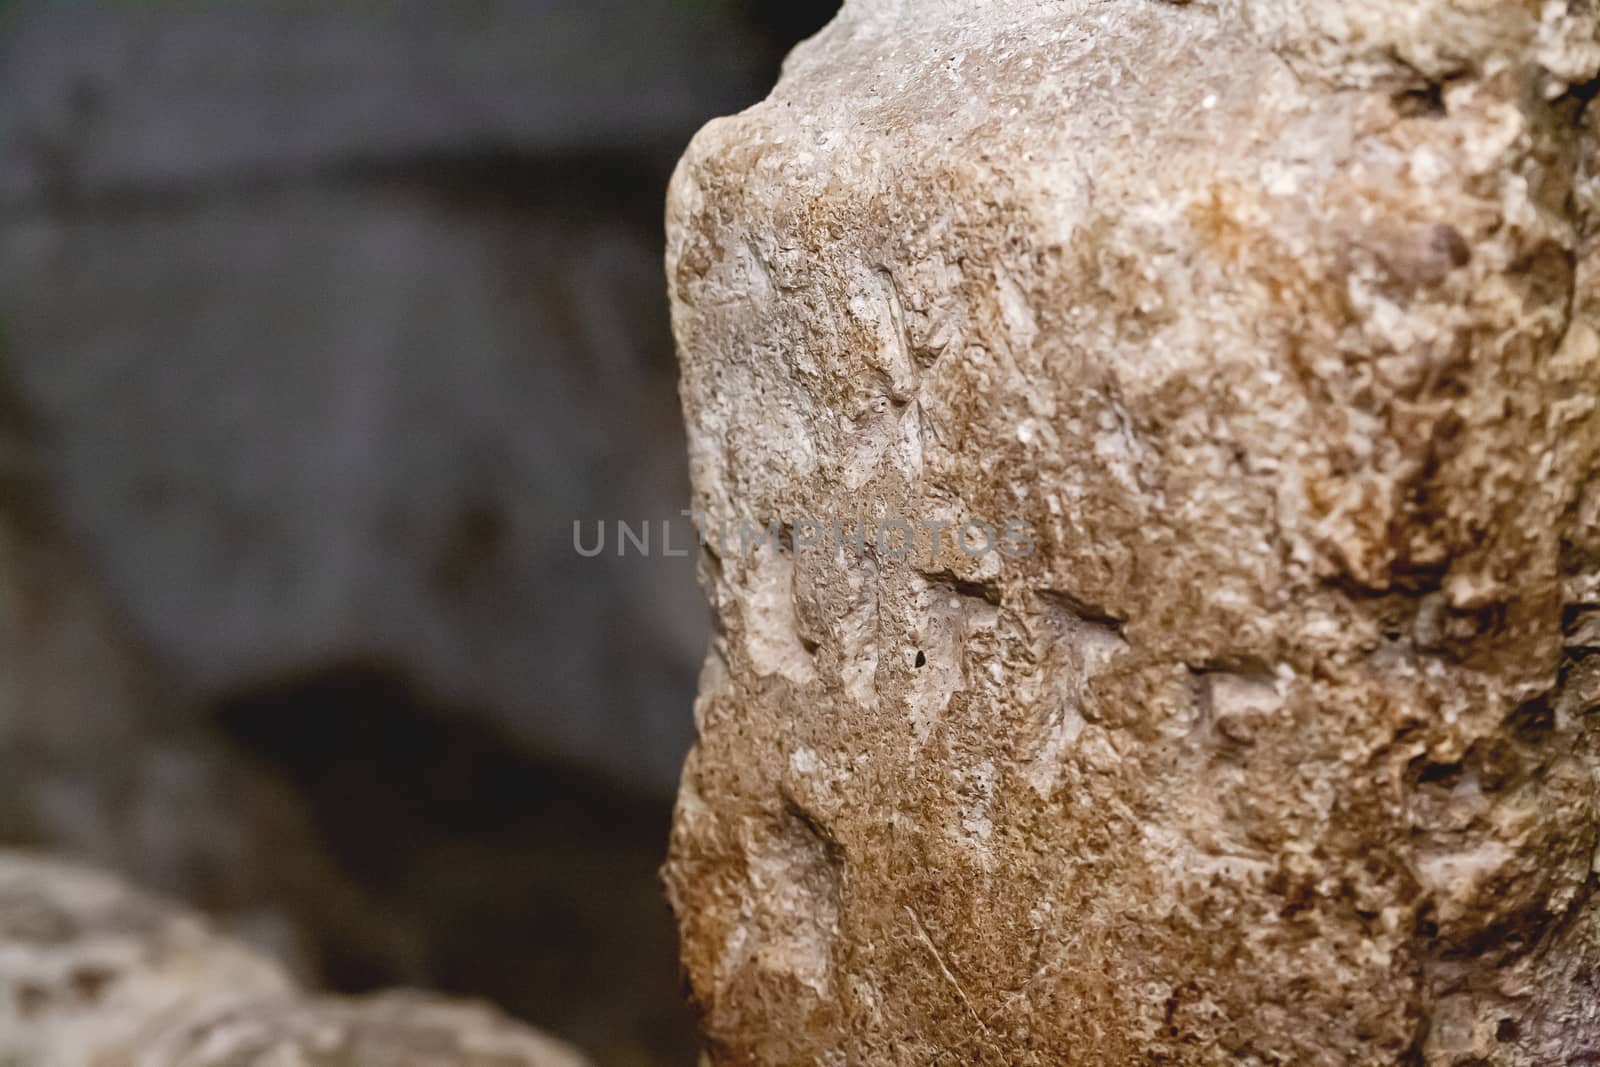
point(785, 25)
point(478, 871)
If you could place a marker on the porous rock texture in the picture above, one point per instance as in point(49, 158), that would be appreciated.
point(95, 974)
point(1275, 322)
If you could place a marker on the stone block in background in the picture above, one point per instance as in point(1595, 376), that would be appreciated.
point(340, 313)
point(1274, 323)
point(306, 424)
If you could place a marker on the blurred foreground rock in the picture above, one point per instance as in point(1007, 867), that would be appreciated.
point(94, 974)
point(1272, 740)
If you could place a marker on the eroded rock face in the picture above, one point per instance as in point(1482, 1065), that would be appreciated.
point(94, 974)
point(1273, 324)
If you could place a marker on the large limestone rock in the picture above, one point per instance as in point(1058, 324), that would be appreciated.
point(1268, 739)
point(94, 974)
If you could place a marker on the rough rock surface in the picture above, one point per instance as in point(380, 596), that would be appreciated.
point(1274, 322)
point(93, 974)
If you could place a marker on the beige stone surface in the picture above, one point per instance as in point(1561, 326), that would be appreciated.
point(95, 974)
point(1274, 322)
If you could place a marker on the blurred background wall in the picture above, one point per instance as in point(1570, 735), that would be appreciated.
point(320, 323)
